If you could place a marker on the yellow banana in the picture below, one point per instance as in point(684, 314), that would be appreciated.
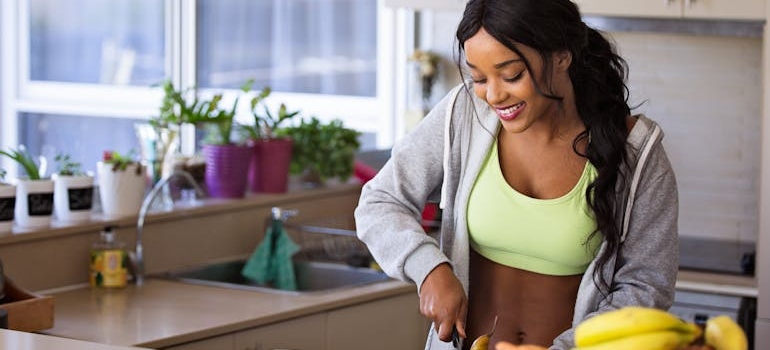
point(723, 333)
point(656, 340)
point(629, 321)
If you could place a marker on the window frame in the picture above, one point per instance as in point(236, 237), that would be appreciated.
point(19, 94)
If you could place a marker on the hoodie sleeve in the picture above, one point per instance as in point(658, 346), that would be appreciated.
point(388, 215)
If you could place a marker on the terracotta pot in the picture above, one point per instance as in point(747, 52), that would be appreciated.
point(227, 167)
point(269, 166)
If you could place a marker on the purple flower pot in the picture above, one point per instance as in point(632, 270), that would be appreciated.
point(269, 167)
point(226, 170)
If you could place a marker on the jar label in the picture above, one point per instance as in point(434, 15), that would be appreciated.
point(108, 268)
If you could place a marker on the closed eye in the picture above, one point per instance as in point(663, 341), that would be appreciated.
point(514, 79)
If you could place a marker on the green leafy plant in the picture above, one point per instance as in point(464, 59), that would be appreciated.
point(22, 156)
point(177, 107)
point(328, 148)
point(219, 122)
point(120, 162)
point(264, 125)
point(66, 166)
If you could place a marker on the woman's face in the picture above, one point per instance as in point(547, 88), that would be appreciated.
point(501, 78)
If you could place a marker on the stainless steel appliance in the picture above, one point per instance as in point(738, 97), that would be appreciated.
point(719, 257)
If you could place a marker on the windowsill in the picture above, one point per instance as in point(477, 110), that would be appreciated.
point(207, 206)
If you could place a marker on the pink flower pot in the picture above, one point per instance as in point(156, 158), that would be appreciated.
point(269, 167)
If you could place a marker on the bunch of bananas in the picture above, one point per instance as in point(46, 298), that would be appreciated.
point(642, 328)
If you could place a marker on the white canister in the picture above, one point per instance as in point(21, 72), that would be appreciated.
point(34, 203)
point(7, 207)
point(73, 197)
point(121, 191)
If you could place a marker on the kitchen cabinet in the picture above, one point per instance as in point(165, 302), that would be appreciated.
point(393, 323)
point(383, 324)
point(304, 333)
point(694, 9)
point(220, 343)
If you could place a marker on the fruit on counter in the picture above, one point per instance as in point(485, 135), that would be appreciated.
point(723, 333)
point(635, 327)
point(655, 340)
point(482, 342)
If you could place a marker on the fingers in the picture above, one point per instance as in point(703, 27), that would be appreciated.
point(503, 345)
point(444, 330)
point(443, 300)
point(508, 346)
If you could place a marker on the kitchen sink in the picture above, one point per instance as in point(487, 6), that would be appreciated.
point(312, 276)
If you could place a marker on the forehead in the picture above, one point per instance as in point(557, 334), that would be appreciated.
point(482, 48)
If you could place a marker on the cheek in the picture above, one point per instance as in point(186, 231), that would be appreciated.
point(480, 91)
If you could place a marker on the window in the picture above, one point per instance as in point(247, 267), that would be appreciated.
point(84, 71)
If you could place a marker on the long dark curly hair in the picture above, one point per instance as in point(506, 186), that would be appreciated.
point(598, 76)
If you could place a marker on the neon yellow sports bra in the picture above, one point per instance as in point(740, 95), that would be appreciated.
point(546, 236)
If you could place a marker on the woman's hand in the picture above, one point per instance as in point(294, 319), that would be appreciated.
point(443, 300)
point(508, 346)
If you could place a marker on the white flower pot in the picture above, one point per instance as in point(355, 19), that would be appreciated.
point(34, 203)
point(7, 207)
point(73, 197)
point(121, 192)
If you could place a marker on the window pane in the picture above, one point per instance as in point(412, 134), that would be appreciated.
point(117, 42)
point(83, 138)
point(303, 46)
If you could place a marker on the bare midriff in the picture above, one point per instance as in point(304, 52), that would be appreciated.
point(531, 308)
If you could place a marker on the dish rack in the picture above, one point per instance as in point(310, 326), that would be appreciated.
point(329, 241)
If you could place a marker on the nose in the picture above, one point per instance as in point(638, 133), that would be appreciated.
point(495, 93)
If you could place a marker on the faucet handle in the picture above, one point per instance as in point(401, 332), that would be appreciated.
point(279, 213)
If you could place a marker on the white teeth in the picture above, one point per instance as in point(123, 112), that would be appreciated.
point(511, 109)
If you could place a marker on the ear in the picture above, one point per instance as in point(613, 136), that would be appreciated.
point(562, 60)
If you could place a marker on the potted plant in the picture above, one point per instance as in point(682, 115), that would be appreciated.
point(7, 203)
point(322, 151)
point(121, 180)
point(166, 130)
point(269, 166)
point(227, 161)
point(34, 193)
point(73, 191)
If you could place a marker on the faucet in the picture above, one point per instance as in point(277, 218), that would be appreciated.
point(138, 255)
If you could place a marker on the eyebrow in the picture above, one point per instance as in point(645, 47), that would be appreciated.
point(499, 65)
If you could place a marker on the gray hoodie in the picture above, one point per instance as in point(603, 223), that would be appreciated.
point(439, 162)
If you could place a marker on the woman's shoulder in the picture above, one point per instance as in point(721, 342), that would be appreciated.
point(642, 129)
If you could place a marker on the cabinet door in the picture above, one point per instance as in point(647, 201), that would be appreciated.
point(725, 9)
point(386, 324)
point(305, 333)
point(631, 8)
point(224, 342)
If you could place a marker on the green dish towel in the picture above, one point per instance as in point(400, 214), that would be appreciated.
point(271, 262)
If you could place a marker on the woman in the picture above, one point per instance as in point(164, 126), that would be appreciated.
point(557, 202)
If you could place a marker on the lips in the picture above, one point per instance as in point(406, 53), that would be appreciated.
point(510, 112)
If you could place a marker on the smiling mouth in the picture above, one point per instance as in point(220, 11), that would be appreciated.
point(511, 112)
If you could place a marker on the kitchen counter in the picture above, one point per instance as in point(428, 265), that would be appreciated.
point(163, 313)
point(717, 283)
point(16, 340)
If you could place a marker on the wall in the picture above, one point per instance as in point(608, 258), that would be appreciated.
point(706, 92)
